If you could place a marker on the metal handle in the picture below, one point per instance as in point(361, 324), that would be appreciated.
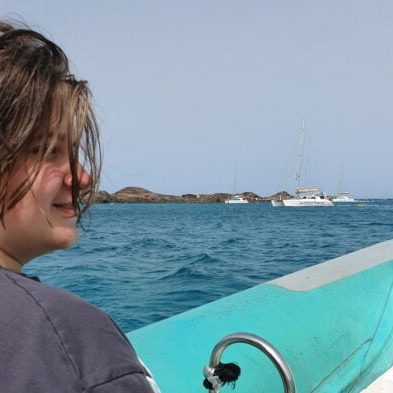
point(258, 342)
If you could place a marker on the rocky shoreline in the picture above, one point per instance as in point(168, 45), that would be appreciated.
point(141, 195)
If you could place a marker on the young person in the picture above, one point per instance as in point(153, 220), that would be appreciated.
point(50, 340)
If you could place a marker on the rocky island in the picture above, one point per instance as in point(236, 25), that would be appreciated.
point(141, 195)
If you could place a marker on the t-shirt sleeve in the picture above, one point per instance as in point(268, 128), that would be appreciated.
point(95, 350)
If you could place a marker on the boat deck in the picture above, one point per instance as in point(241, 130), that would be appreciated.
point(333, 323)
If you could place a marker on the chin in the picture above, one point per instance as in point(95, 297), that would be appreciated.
point(65, 240)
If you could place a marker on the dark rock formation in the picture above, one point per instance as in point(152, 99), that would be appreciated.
point(103, 197)
point(141, 195)
point(137, 194)
point(189, 196)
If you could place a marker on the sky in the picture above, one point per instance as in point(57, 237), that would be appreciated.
point(204, 96)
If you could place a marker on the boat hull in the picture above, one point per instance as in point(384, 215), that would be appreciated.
point(343, 200)
point(307, 202)
point(331, 322)
point(343, 197)
point(236, 201)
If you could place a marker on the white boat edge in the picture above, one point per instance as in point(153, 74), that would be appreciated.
point(335, 269)
point(383, 384)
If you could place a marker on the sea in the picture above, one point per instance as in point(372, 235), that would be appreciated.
point(141, 263)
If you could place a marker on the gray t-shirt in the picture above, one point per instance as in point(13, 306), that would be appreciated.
point(53, 342)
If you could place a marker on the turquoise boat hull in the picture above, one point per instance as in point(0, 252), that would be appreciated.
point(332, 323)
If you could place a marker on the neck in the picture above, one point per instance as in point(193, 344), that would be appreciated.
point(7, 261)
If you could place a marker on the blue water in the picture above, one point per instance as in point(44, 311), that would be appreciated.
point(145, 262)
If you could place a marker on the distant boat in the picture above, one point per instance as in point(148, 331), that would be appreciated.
point(277, 202)
point(236, 199)
point(308, 197)
point(303, 196)
point(343, 197)
point(279, 198)
point(233, 197)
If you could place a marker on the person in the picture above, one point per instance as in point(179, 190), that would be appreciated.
point(50, 340)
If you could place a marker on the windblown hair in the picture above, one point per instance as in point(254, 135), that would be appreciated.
point(35, 86)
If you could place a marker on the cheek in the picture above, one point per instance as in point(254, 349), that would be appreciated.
point(46, 187)
point(26, 210)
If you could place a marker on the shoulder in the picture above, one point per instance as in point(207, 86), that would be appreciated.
point(94, 347)
point(58, 306)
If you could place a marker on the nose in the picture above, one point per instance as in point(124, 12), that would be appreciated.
point(84, 178)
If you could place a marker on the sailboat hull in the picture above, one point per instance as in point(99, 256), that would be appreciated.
point(307, 202)
point(343, 197)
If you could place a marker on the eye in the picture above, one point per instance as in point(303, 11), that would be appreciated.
point(50, 150)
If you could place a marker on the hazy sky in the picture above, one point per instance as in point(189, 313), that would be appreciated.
point(189, 93)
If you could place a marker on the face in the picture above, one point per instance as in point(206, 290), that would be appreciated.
point(44, 219)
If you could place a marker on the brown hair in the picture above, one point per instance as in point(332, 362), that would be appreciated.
point(35, 84)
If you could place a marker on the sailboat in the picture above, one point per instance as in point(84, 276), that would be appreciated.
point(341, 196)
point(304, 196)
point(235, 198)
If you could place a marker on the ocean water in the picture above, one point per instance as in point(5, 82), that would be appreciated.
point(145, 262)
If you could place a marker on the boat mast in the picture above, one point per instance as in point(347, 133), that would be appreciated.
point(300, 157)
point(233, 183)
point(339, 184)
point(234, 180)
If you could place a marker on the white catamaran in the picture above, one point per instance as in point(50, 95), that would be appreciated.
point(304, 196)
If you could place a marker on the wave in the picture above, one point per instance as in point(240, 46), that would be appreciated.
point(198, 266)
